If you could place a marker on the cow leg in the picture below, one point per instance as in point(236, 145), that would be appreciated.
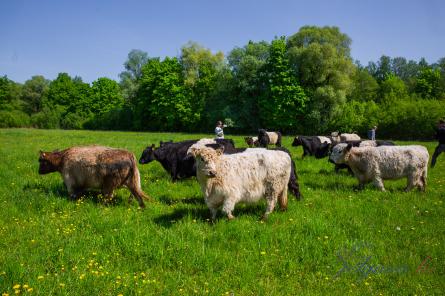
point(271, 201)
point(228, 207)
point(213, 211)
point(412, 181)
point(378, 182)
point(108, 186)
point(439, 149)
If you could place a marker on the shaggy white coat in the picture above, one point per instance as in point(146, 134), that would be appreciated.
point(368, 143)
point(385, 162)
point(226, 180)
point(344, 137)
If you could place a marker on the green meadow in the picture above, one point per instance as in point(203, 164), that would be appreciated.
point(335, 241)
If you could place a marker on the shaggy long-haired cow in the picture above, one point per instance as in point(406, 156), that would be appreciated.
point(94, 167)
point(385, 162)
point(250, 176)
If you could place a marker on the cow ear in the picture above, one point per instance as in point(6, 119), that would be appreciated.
point(220, 150)
point(152, 145)
point(349, 147)
point(42, 153)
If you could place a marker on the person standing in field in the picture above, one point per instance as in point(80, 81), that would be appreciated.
point(371, 133)
point(219, 132)
point(440, 136)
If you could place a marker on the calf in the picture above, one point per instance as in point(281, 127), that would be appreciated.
point(94, 167)
point(385, 162)
point(226, 179)
point(251, 141)
point(268, 138)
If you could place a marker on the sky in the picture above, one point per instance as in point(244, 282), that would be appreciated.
point(92, 39)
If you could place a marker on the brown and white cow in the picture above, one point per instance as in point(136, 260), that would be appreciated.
point(94, 167)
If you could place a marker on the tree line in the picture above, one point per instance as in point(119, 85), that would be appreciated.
point(306, 83)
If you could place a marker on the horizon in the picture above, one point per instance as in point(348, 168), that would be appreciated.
point(92, 40)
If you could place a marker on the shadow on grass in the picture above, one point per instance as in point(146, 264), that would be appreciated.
point(202, 214)
point(190, 201)
point(59, 190)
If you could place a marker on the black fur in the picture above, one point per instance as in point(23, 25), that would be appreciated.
point(173, 157)
point(264, 140)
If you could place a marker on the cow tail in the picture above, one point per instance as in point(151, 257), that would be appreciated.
point(134, 183)
point(293, 182)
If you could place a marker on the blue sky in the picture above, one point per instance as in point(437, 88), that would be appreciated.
point(92, 39)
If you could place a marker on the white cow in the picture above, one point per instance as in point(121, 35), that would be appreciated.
point(257, 173)
point(384, 162)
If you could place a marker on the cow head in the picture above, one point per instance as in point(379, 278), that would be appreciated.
point(323, 150)
point(49, 162)
point(340, 153)
point(148, 155)
point(249, 141)
point(297, 141)
point(206, 159)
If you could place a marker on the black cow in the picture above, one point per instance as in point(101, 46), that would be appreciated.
point(173, 157)
point(268, 138)
point(312, 146)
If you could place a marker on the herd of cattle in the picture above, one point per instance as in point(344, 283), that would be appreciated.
point(228, 175)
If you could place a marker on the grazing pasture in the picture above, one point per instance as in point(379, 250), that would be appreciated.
point(335, 241)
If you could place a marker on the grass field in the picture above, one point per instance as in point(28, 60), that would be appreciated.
point(50, 245)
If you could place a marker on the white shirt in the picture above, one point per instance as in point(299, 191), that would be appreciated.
point(219, 133)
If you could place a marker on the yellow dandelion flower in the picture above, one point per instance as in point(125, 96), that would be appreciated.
point(17, 291)
point(5, 294)
point(263, 253)
point(366, 283)
point(62, 285)
point(30, 289)
point(25, 286)
point(120, 294)
point(17, 286)
point(40, 277)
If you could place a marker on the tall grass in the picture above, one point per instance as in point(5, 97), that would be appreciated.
point(50, 245)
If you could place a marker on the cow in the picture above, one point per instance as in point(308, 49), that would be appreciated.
point(268, 138)
point(94, 167)
point(293, 185)
point(226, 179)
point(385, 162)
point(343, 137)
point(327, 148)
point(312, 145)
point(252, 141)
point(173, 157)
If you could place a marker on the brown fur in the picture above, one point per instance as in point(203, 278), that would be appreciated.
point(94, 167)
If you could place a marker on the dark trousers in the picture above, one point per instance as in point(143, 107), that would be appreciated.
point(439, 149)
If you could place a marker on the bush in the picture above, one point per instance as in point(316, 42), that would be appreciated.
point(14, 118)
point(47, 118)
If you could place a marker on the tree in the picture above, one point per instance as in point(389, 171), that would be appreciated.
point(428, 84)
point(246, 83)
point(9, 94)
point(105, 95)
point(284, 100)
point(33, 93)
point(133, 71)
point(320, 60)
point(365, 87)
point(392, 88)
point(201, 70)
point(163, 101)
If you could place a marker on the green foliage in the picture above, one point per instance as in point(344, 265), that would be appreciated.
point(14, 118)
point(283, 101)
point(133, 71)
point(105, 95)
point(9, 94)
point(428, 84)
point(356, 116)
point(364, 86)
point(321, 62)
point(392, 88)
point(33, 93)
point(164, 102)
